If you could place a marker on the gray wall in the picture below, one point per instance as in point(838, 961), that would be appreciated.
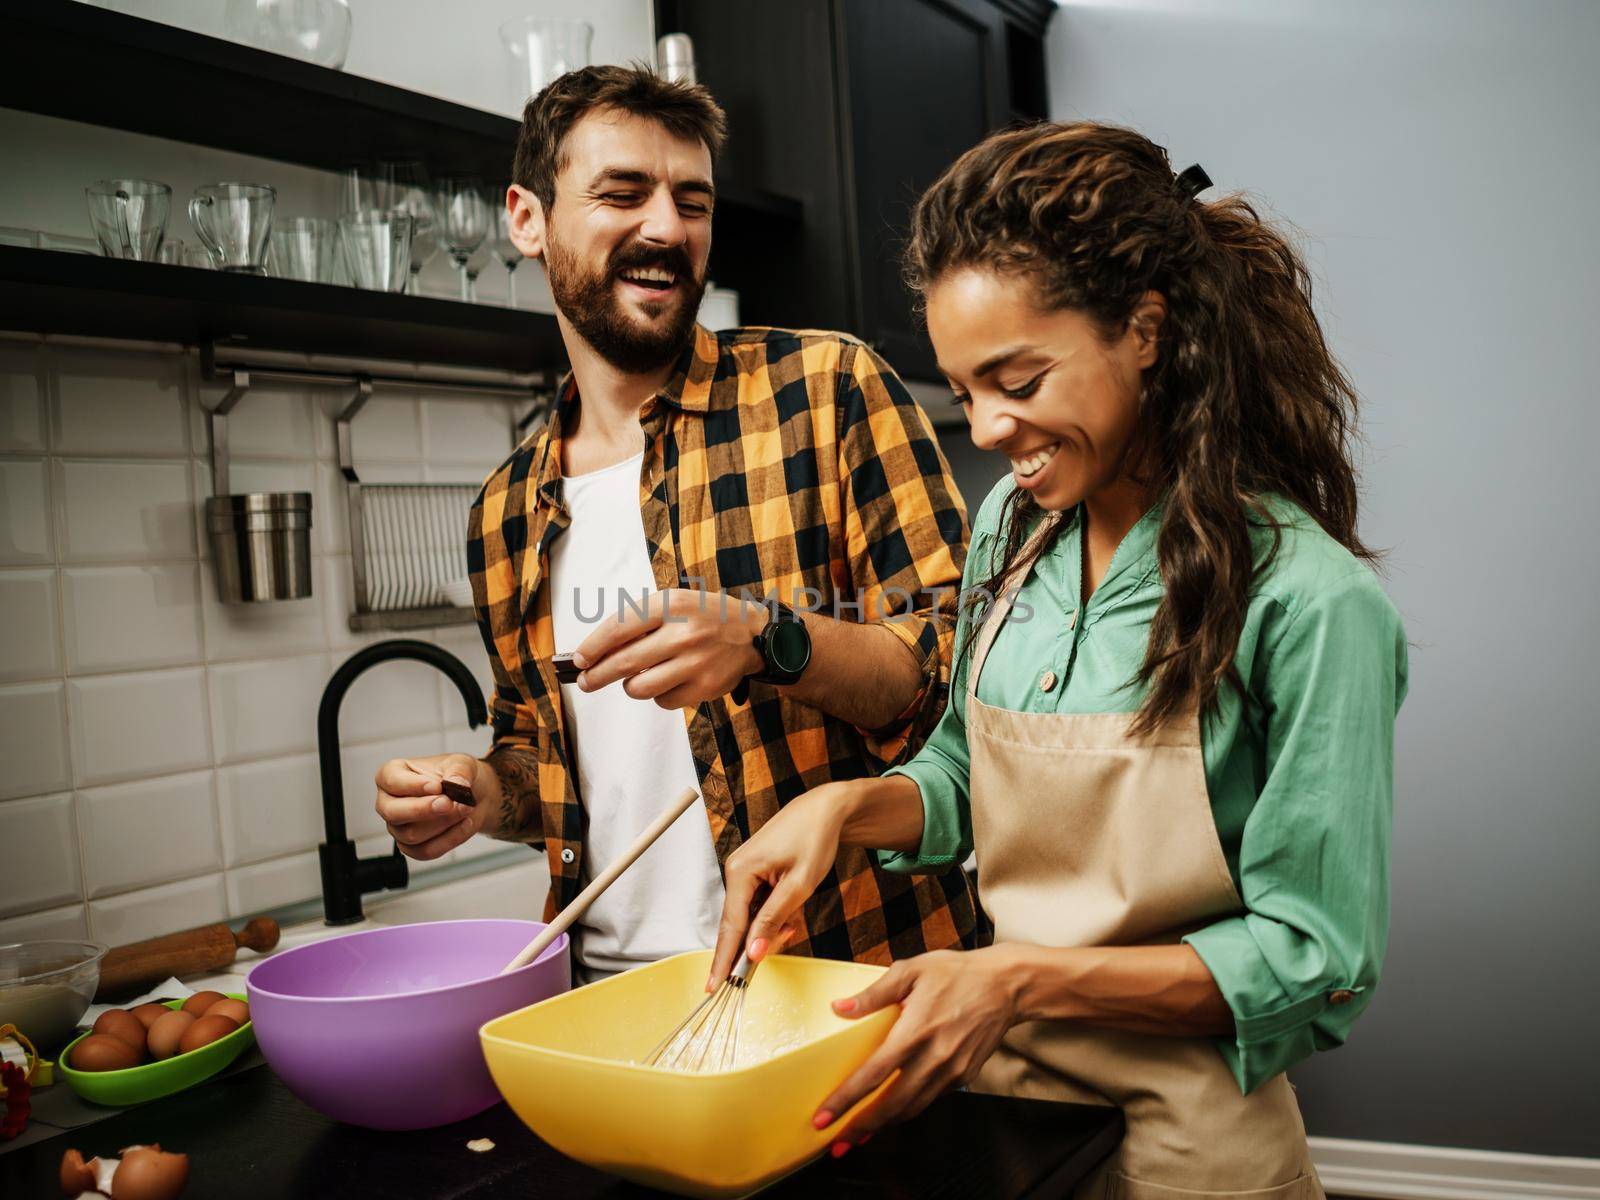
point(1440, 157)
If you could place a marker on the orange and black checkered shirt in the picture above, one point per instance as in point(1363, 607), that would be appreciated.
point(774, 461)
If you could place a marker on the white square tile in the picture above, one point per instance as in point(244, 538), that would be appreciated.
point(273, 884)
point(29, 647)
point(270, 808)
point(266, 709)
point(464, 642)
point(267, 475)
point(21, 401)
point(33, 740)
point(472, 474)
point(118, 618)
point(386, 429)
point(458, 739)
point(41, 854)
point(389, 700)
point(132, 726)
point(271, 422)
point(125, 511)
point(157, 911)
point(69, 923)
point(145, 833)
point(360, 765)
point(265, 630)
point(24, 512)
point(466, 431)
point(115, 403)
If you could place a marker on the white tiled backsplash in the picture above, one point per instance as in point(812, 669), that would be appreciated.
point(160, 747)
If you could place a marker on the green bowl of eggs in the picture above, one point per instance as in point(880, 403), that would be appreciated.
point(156, 1049)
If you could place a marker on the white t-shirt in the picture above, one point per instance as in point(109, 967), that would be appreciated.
point(632, 756)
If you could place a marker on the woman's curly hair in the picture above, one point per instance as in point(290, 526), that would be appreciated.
point(1245, 400)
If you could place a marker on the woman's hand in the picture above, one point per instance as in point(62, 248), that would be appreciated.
point(955, 1006)
point(790, 854)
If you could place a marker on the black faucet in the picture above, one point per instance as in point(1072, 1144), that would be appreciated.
point(344, 876)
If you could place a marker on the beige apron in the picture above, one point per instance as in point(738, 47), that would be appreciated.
point(1088, 837)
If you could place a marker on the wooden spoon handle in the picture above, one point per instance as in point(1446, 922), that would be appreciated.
point(601, 882)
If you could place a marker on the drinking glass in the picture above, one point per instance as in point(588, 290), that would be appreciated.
point(316, 31)
point(463, 222)
point(539, 50)
point(129, 216)
point(405, 188)
point(304, 249)
point(377, 248)
point(506, 251)
point(178, 253)
point(234, 221)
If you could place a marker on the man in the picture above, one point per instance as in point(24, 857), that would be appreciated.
point(684, 477)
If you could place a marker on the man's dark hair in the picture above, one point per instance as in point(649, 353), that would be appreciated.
point(684, 109)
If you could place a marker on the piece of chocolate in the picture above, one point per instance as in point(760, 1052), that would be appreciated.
point(459, 792)
point(566, 670)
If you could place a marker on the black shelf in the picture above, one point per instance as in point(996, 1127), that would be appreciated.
point(83, 63)
point(50, 291)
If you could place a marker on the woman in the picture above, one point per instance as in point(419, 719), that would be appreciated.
point(1170, 738)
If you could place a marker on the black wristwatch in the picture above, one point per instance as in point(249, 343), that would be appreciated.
point(785, 648)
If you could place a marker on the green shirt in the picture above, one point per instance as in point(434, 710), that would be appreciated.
point(1301, 779)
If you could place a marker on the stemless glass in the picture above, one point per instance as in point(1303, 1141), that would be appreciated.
point(304, 248)
point(234, 221)
point(178, 253)
point(506, 251)
point(463, 222)
point(129, 216)
point(377, 248)
point(317, 31)
point(539, 50)
point(406, 189)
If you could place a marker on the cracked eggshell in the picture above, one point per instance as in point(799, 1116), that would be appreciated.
point(149, 1173)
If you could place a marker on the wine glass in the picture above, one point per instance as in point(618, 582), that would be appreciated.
point(507, 252)
point(405, 189)
point(463, 222)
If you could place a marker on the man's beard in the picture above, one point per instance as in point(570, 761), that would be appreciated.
point(590, 303)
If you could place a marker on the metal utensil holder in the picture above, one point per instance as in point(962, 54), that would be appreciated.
point(260, 541)
point(406, 540)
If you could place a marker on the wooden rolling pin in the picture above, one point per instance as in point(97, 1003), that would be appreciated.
point(128, 970)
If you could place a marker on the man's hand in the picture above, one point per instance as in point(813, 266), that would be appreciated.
point(687, 647)
point(422, 820)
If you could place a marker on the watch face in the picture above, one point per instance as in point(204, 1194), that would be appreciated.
point(790, 646)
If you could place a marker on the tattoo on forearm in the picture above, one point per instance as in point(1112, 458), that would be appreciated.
point(519, 791)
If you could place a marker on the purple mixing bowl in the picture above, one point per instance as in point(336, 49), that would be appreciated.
point(380, 1028)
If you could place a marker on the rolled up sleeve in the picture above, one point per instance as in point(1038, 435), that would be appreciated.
point(1300, 964)
point(905, 530)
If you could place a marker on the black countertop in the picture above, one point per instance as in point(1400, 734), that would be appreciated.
point(247, 1136)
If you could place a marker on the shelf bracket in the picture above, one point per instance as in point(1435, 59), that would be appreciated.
point(217, 419)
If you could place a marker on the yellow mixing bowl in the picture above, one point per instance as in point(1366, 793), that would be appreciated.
point(569, 1067)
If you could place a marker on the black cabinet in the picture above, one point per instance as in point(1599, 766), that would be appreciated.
point(855, 107)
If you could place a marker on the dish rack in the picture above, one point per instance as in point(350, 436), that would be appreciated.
point(408, 541)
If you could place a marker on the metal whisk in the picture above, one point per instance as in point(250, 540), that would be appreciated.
point(708, 1038)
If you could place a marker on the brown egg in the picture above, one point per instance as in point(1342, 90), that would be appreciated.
point(167, 1032)
point(102, 1052)
point(123, 1026)
point(205, 1031)
point(201, 1001)
point(236, 1011)
point(149, 1012)
point(149, 1173)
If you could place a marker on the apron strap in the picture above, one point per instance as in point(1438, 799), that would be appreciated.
point(995, 618)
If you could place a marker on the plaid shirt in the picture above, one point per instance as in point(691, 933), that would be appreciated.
point(774, 461)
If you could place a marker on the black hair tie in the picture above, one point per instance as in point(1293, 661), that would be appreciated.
point(1192, 181)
